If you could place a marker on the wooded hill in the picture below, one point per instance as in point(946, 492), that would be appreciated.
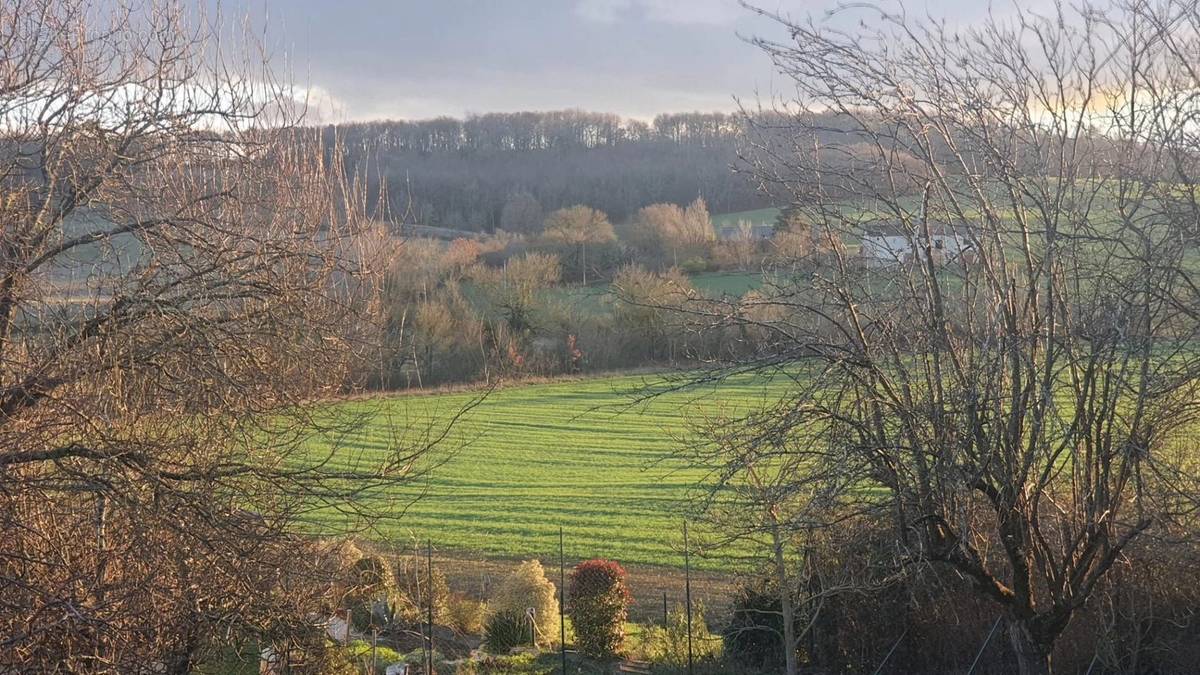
point(463, 173)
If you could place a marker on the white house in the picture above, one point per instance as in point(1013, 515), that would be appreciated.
point(887, 244)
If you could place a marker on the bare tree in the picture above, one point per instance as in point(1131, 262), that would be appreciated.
point(1020, 385)
point(522, 213)
point(578, 226)
point(659, 227)
point(179, 279)
point(515, 290)
point(774, 491)
point(646, 314)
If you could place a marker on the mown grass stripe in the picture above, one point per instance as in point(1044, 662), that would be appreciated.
point(531, 458)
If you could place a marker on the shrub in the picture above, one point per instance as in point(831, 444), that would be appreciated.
point(416, 661)
point(528, 588)
point(668, 645)
point(754, 635)
point(465, 614)
point(599, 605)
point(360, 652)
point(505, 631)
point(650, 317)
point(415, 594)
point(373, 594)
point(333, 661)
point(694, 265)
point(514, 664)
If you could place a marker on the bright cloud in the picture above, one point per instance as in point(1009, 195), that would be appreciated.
point(714, 12)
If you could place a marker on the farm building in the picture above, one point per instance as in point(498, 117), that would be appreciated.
point(888, 244)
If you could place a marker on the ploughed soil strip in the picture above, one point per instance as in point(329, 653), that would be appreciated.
point(648, 583)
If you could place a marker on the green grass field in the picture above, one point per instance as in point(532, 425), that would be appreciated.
point(735, 284)
point(765, 216)
point(531, 458)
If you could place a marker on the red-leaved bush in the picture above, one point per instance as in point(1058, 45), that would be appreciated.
point(599, 605)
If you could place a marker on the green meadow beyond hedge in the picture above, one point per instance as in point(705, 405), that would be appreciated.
point(527, 459)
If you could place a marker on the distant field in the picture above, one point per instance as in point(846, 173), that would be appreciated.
point(727, 283)
point(765, 216)
point(532, 458)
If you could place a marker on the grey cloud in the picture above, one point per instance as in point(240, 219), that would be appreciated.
point(714, 12)
point(422, 58)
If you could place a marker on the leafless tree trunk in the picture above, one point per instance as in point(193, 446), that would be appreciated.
point(785, 598)
point(766, 493)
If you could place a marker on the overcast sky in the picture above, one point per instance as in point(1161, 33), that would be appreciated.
point(370, 59)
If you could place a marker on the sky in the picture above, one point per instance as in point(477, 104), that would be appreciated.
point(416, 59)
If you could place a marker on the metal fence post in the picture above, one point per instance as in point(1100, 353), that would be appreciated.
point(888, 656)
point(429, 609)
point(562, 605)
point(687, 589)
point(983, 646)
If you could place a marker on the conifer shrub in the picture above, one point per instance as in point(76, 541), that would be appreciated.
point(505, 631)
point(599, 606)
